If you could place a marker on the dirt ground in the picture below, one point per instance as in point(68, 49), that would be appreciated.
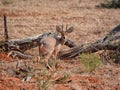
point(31, 17)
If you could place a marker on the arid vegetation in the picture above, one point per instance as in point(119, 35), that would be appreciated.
point(92, 71)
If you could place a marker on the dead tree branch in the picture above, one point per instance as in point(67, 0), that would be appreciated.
point(5, 28)
point(110, 42)
point(32, 42)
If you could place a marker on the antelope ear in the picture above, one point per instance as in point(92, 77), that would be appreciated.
point(69, 30)
point(58, 29)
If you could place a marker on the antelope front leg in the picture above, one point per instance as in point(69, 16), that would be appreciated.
point(54, 62)
point(46, 62)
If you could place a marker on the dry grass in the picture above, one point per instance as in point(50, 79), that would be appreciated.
point(31, 17)
point(28, 18)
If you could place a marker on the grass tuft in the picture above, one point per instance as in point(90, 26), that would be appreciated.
point(6, 2)
point(43, 84)
point(90, 61)
point(110, 4)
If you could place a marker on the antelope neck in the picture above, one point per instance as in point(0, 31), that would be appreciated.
point(62, 40)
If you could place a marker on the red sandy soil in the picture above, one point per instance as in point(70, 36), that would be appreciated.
point(4, 57)
point(31, 17)
point(106, 77)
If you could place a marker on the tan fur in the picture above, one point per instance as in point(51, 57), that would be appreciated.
point(50, 46)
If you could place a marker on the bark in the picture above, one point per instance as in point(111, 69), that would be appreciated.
point(110, 42)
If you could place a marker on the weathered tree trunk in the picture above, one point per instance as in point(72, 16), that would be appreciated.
point(32, 42)
point(87, 48)
point(110, 42)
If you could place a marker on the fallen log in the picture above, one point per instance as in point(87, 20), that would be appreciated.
point(87, 48)
point(32, 42)
point(110, 42)
point(17, 47)
point(18, 54)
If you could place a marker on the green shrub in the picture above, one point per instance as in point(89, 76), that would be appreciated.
point(63, 79)
point(110, 4)
point(111, 56)
point(6, 2)
point(90, 61)
point(43, 84)
point(1, 46)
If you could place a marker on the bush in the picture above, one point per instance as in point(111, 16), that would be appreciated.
point(6, 2)
point(90, 61)
point(1, 44)
point(110, 4)
point(44, 83)
point(112, 57)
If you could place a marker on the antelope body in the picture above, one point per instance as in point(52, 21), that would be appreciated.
point(50, 45)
